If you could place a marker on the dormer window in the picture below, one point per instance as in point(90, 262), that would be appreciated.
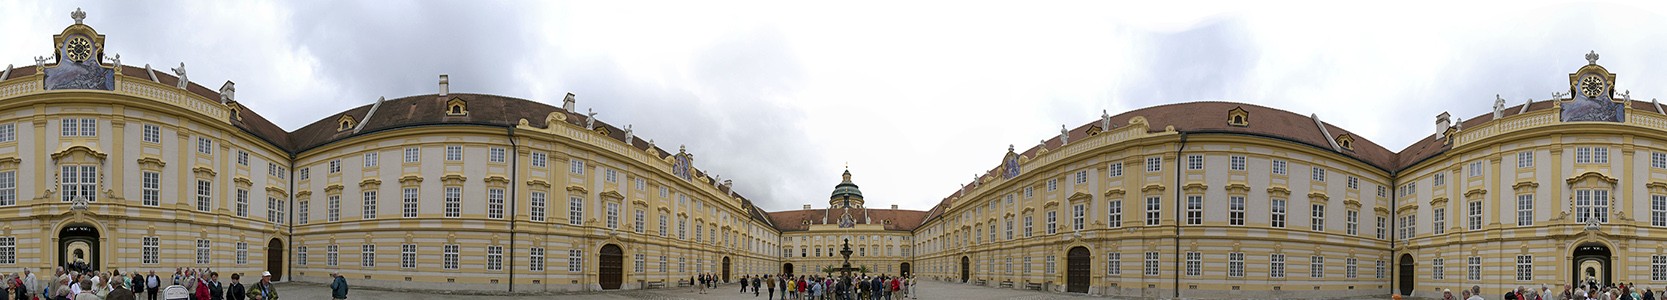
point(1238, 117)
point(345, 123)
point(456, 107)
point(1345, 141)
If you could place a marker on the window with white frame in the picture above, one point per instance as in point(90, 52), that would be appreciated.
point(495, 154)
point(1439, 267)
point(1277, 209)
point(1318, 174)
point(1473, 268)
point(1658, 267)
point(332, 255)
point(1235, 264)
point(1154, 164)
point(1352, 221)
point(1195, 210)
point(275, 210)
point(1195, 162)
point(242, 253)
point(1114, 214)
point(495, 203)
point(663, 225)
point(537, 211)
point(242, 158)
point(1408, 228)
point(334, 208)
point(1594, 155)
point(78, 181)
point(1591, 203)
point(412, 154)
point(202, 251)
point(151, 249)
point(610, 175)
point(1195, 263)
point(613, 216)
point(408, 205)
point(301, 211)
point(454, 201)
point(639, 264)
point(1027, 227)
point(1354, 183)
point(1114, 263)
point(1438, 179)
point(1525, 267)
point(494, 257)
point(1078, 214)
point(1082, 177)
point(204, 192)
point(1154, 211)
point(1009, 222)
point(1525, 159)
point(1235, 210)
point(335, 166)
point(369, 208)
point(1053, 185)
point(1349, 268)
point(1476, 168)
point(242, 203)
point(1658, 210)
point(151, 134)
point(367, 255)
point(8, 188)
point(1316, 266)
point(1318, 221)
point(1278, 167)
point(454, 153)
point(1237, 162)
point(637, 221)
point(1525, 210)
point(1382, 226)
point(370, 159)
point(408, 256)
point(449, 256)
point(1151, 263)
point(1439, 220)
point(1276, 266)
point(536, 259)
point(1113, 170)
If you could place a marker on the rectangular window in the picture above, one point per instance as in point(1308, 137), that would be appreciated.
point(408, 205)
point(1078, 214)
point(242, 158)
point(1195, 210)
point(495, 257)
point(639, 264)
point(1525, 159)
point(369, 207)
point(454, 202)
point(637, 222)
point(1658, 210)
point(8, 132)
point(331, 255)
point(1525, 210)
point(1352, 219)
point(89, 127)
point(1151, 263)
point(412, 154)
point(454, 153)
point(1382, 225)
point(78, 181)
point(663, 225)
point(242, 253)
point(152, 249)
point(1237, 162)
point(576, 212)
point(1316, 266)
point(1053, 185)
point(613, 216)
point(69, 127)
point(8, 188)
point(1154, 211)
point(1354, 183)
point(1278, 167)
point(1195, 263)
point(408, 256)
point(495, 203)
point(1525, 267)
point(1277, 209)
point(1318, 174)
point(610, 175)
point(242, 203)
point(1114, 264)
point(1476, 168)
point(1658, 267)
point(1318, 221)
point(1590, 203)
point(1349, 268)
point(1473, 268)
point(1276, 266)
point(1439, 221)
point(204, 190)
point(1082, 177)
point(1409, 228)
point(202, 251)
point(1009, 231)
point(1383, 192)
point(1235, 210)
point(1195, 162)
point(1027, 227)
point(1439, 266)
point(334, 208)
point(537, 211)
point(301, 211)
point(152, 134)
point(1113, 170)
point(370, 159)
point(1235, 264)
point(1154, 164)
point(1114, 215)
point(335, 166)
point(496, 154)
point(1438, 179)
point(367, 255)
point(449, 256)
point(205, 146)
point(662, 263)
point(1052, 223)
point(575, 260)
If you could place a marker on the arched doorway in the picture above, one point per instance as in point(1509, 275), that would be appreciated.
point(78, 247)
point(1406, 274)
point(787, 268)
point(1591, 264)
point(965, 263)
point(903, 270)
point(1076, 270)
point(726, 269)
point(275, 259)
point(611, 267)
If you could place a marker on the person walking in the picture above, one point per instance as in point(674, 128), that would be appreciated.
point(235, 292)
point(771, 283)
point(264, 290)
point(755, 283)
point(743, 284)
point(152, 283)
point(338, 286)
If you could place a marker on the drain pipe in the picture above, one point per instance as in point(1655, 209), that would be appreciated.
point(1178, 218)
point(291, 219)
point(514, 163)
point(1394, 264)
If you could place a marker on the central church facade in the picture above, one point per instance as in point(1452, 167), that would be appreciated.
point(128, 167)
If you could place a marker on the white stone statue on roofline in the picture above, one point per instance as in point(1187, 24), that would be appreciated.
point(590, 119)
point(183, 80)
point(1498, 107)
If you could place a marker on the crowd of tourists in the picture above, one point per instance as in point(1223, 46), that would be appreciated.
point(83, 284)
point(1589, 290)
point(860, 287)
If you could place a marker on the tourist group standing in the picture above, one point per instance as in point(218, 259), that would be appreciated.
point(86, 284)
point(860, 287)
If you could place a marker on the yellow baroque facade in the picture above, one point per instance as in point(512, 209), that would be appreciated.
point(136, 168)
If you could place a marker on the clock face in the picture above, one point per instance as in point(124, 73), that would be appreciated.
point(79, 48)
point(1592, 86)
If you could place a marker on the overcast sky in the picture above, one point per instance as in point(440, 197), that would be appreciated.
point(915, 96)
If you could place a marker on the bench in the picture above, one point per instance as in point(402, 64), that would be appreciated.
point(684, 283)
point(1006, 284)
point(981, 282)
point(655, 285)
point(1033, 286)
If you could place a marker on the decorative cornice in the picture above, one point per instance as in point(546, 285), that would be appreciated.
point(538, 183)
point(78, 148)
point(611, 195)
point(1115, 193)
point(1381, 210)
point(639, 202)
point(204, 171)
point(276, 190)
point(1598, 176)
point(410, 180)
point(453, 179)
point(1279, 190)
point(333, 188)
point(1026, 210)
point(1152, 188)
point(1525, 184)
point(303, 194)
point(1079, 196)
point(368, 182)
point(151, 162)
point(1438, 201)
point(1351, 203)
point(242, 181)
point(1240, 187)
point(1195, 187)
point(1475, 193)
point(1318, 197)
point(497, 180)
point(1050, 204)
point(1656, 185)
point(576, 188)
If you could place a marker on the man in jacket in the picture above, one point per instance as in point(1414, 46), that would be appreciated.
point(264, 290)
point(338, 287)
point(152, 283)
point(120, 293)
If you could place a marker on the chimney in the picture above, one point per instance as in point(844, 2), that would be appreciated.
point(894, 206)
point(567, 103)
point(807, 206)
point(445, 85)
point(1441, 124)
